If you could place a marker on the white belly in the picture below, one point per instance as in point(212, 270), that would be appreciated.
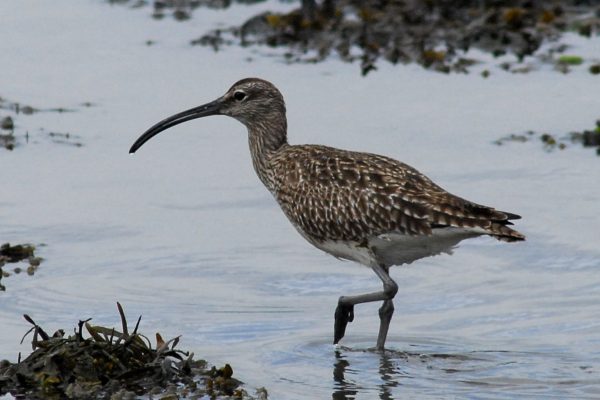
point(348, 251)
point(397, 249)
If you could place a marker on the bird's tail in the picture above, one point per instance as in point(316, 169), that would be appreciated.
point(501, 231)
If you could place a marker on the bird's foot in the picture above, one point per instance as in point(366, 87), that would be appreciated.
point(344, 313)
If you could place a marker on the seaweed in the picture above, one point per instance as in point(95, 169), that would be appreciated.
point(550, 142)
point(435, 34)
point(11, 136)
point(15, 254)
point(110, 364)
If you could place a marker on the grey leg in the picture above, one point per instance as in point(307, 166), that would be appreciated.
point(385, 316)
point(344, 312)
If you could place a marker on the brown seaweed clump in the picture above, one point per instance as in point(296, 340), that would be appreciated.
point(435, 33)
point(15, 254)
point(13, 135)
point(550, 142)
point(113, 365)
point(7, 139)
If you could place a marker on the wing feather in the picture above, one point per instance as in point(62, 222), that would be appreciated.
point(331, 194)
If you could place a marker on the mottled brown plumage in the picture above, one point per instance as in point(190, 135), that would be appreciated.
point(332, 194)
point(358, 206)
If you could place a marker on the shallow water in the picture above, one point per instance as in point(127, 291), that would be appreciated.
point(183, 233)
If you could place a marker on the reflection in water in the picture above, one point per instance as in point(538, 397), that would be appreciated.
point(388, 375)
point(497, 373)
point(346, 389)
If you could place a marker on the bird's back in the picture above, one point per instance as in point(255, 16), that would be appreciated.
point(336, 195)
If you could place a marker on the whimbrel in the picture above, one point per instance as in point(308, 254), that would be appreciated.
point(356, 206)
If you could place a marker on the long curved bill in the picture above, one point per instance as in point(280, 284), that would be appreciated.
point(212, 108)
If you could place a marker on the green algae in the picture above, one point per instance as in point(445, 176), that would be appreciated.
point(570, 60)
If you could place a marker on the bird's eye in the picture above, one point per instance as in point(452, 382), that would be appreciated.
point(239, 96)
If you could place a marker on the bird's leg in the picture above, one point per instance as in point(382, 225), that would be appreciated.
point(385, 316)
point(344, 312)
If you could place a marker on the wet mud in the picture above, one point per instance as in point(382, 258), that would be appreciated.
point(105, 363)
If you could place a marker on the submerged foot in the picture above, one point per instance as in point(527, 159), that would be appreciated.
point(343, 314)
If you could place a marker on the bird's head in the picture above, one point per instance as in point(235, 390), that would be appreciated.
point(252, 101)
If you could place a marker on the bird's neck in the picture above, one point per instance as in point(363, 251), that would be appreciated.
point(265, 140)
